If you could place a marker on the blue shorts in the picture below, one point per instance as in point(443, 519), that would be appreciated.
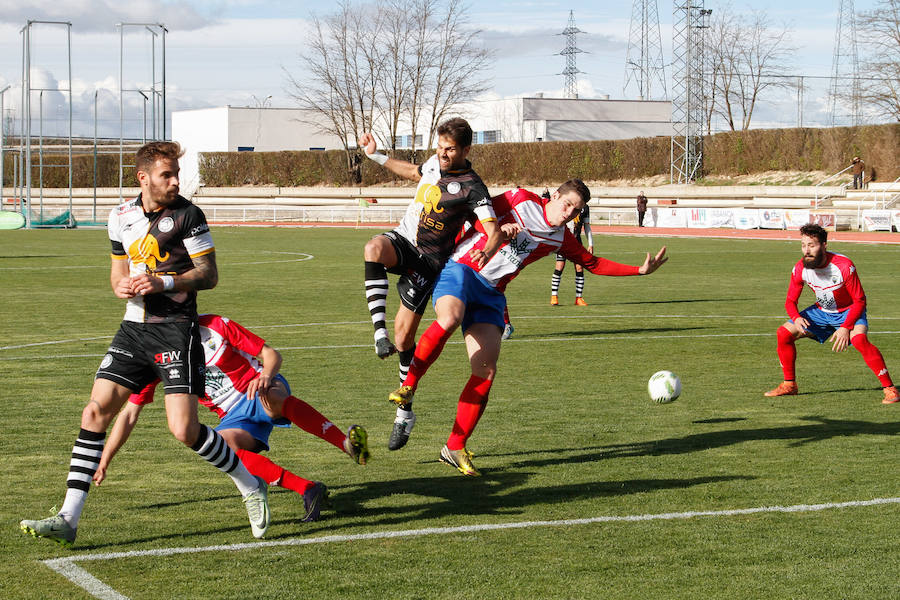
point(824, 324)
point(250, 416)
point(484, 304)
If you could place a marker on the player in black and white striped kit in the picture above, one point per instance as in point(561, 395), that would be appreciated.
point(162, 254)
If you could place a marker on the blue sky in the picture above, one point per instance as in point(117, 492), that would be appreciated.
point(236, 51)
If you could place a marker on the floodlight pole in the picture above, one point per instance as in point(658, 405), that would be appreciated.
point(2, 139)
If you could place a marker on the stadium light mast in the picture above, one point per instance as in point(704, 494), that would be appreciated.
point(845, 64)
point(644, 67)
point(688, 89)
point(570, 52)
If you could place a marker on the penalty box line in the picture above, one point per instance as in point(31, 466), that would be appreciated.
point(79, 576)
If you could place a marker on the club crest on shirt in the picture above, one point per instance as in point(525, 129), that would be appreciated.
point(166, 224)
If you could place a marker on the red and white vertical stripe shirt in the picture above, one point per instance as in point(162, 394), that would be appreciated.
point(836, 285)
point(537, 239)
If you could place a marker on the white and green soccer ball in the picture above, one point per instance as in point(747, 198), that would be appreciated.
point(664, 387)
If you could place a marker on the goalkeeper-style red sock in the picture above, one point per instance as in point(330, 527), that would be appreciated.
point(787, 353)
point(873, 358)
point(312, 421)
point(427, 350)
point(469, 409)
point(272, 473)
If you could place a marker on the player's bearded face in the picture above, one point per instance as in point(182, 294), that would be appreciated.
point(162, 181)
point(451, 156)
point(813, 252)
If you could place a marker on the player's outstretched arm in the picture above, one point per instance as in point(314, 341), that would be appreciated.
point(123, 427)
point(653, 263)
point(404, 169)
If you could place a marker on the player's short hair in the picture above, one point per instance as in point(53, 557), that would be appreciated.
point(151, 152)
point(458, 130)
point(814, 231)
point(577, 186)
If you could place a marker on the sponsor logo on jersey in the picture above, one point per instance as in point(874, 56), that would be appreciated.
point(430, 197)
point(166, 224)
point(198, 230)
point(174, 374)
point(146, 251)
point(166, 358)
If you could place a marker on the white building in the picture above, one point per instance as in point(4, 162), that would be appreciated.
point(235, 129)
point(239, 128)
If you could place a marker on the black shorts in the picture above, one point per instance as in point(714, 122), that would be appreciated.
point(417, 273)
point(143, 352)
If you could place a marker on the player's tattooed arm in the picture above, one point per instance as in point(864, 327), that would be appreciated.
point(204, 275)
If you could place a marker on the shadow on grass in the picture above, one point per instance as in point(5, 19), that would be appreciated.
point(686, 300)
point(496, 492)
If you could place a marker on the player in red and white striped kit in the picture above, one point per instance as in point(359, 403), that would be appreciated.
point(246, 391)
point(471, 295)
point(839, 313)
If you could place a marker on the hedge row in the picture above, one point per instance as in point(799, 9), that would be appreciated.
point(725, 154)
point(82, 171)
point(532, 164)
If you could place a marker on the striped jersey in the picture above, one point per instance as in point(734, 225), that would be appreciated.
point(836, 285)
point(163, 242)
point(537, 239)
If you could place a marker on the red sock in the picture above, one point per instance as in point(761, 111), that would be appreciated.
point(271, 473)
point(873, 358)
point(787, 353)
point(312, 421)
point(472, 403)
point(427, 350)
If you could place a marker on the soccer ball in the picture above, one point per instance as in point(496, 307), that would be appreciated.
point(664, 387)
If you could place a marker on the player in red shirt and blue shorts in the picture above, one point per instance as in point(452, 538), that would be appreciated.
point(471, 294)
point(839, 313)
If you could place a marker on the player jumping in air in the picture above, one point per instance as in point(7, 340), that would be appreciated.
point(471, 295)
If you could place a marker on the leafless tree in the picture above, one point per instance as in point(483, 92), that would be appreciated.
point(343, 70)
point(880, 70)
point(385, 64)
point(746, 55)
point(456, 63)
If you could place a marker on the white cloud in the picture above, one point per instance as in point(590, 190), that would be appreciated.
point(103, 15)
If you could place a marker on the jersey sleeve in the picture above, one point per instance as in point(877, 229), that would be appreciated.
point(242, 338)
point(597, 265)
point(145, 396)
point(480, 202)
point(197, 238)
point(854, 287)
point(112, 229)
point(795, 288)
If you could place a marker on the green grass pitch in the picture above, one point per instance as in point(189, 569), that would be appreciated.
point(569, 433)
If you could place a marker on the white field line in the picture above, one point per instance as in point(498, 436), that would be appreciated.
point(303, 257)
point(581, 317)
point(617, 337)
point(81, 577)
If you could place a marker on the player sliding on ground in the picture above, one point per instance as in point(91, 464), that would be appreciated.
point(471, 295)
point(839, 312)
point(250, 396)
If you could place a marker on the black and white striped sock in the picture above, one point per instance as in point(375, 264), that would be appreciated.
point(86, 455)
point(376, 296)
point(212, 448)
point(554, 282)
point(579, 283)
